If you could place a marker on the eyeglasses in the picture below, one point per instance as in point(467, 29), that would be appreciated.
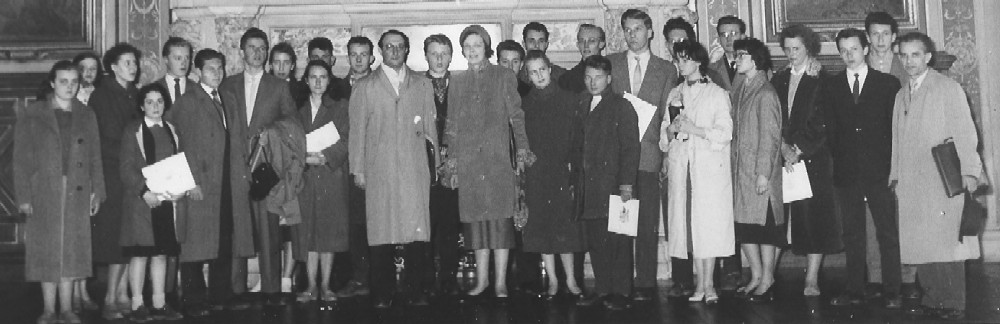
point(741, 54)
point(730, 34)
point(395, 47)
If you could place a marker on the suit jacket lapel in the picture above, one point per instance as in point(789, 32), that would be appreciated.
point(241, 101)
point(654, 72)
point(384, 81)
point(264, 87)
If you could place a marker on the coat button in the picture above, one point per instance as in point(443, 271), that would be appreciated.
point(857, 130)
point(79, 188)
point(79, 141)
point(79, 164)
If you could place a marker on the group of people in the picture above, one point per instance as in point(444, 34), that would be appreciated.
point(518, 159)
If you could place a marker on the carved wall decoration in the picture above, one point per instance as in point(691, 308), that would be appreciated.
point(960, 40)
point(718, 9)
point(144, 33)
point(229, 30)
point(299, 38)
point(613, 31)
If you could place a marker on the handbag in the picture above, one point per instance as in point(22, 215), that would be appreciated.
point(949, 167)
point(263, 177)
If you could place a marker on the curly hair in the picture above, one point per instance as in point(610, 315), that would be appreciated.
point(805, 34)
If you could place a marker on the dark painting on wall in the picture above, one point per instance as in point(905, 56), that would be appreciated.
point(42, 21)
point(834, 11)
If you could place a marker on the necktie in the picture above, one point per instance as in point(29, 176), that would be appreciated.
point(177, 88)
point(637, 76)
point(855, 89)
point(218, 107)
point(731, 69)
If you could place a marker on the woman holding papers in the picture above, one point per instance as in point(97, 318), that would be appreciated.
point(323, 199)
point(59, 184)
point(699, 181)
point(149, 219)
point(552, 123)
point(814, 225)
point(760, 221)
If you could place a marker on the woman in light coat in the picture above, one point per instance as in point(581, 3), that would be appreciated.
point(699, 187)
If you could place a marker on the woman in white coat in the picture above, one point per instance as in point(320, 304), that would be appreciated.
point(699, 194)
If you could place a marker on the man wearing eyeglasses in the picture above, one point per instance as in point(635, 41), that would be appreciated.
point(730, 30)
point(590, 40)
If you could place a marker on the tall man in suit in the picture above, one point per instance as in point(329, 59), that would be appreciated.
point(639, 72)
point(360, 56)
point(259, 100)
point(609, 159)
point(590, 40)
point(857, 111)
point(730, 29)
point(177, 58)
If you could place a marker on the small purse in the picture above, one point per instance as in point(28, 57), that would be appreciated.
point(263, 177)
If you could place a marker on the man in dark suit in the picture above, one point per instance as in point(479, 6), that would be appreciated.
point(730, 29)
point(857, 111)
point(609, 150)
point(510, 55)
point(201, 122)
point(282, 60)
point(360, 56)
point(259, 100)
point(590, 40)
point(176, 55)
point(639, 72)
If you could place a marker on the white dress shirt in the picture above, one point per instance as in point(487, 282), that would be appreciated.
point(595, 102)
point(251, 82)
point(395, 78)
point(171, 80)
point(862, 72)
point(314, 105)
point(917, 81)
point(151, 123)
point(209, 90)
point(643, 64)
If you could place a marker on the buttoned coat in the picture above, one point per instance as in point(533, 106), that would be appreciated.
point(202, 128)
point(706, 160)
point(756, 150)
point(387, 145)
point(137, 217)
point(657, 81)
point(324, 196)
point(928, 219)
point(484, 111)
point(57, 232)
point(610, 152)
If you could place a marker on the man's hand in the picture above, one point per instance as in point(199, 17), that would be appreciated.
point(625, 192)
point(196, 193)
point(25, 208)
point(94, 204)
point(359, 179)
point(716, 52)
point(790, 154)
point(151, 199)
point(315, 158)
point(970, 183)
point(762, 184)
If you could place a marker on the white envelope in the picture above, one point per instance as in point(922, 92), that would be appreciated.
point(170, 176)
point(616, 208)
point(322, 138)
point(795, 183)
point(643, 109)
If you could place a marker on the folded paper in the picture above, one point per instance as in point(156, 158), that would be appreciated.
point(322, 138)
point(627, 225)
point(643, 110)
point(795, 183)
point(170, 176)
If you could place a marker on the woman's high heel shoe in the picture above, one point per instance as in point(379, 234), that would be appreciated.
point(697, 297)
point(767, 296)
point(712, 298)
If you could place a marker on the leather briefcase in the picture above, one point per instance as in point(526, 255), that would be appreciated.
point(949, 167)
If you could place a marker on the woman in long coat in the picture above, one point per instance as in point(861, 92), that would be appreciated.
point(149, 219)
point(815, 227)
point(486, 109)
point(114, 103)
point(760, 222)
point(931, 110)
point(699, 187)
point(59, 183)
point(552, 123)
point(323, 198)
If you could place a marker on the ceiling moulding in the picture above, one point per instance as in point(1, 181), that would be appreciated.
point(285, 7)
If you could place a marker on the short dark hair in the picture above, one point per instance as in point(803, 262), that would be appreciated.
point(322, 43)
point(157, 87)
point(881, 18)
point(694, 51)
point(535, 55)
point(758, 52)
point(283, 47)
point(599, 62)
point(918, 37)
point(637, 14)
point(852, 32)
point(679, 23)
point(489, 51)
point(361, 40)
point(511, 45)
point(317, 63)
point(440, 39)
point(64, 65)
point(253, 32)
point(604, 37)
point(731, 20)
point(406, 40)
point(175, 41)
point(534, 26)
point(90, 55)
point(808, 37)
point(115, 52)
point(208, 54)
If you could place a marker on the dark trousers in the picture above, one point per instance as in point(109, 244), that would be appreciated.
point(611, 258)
point(527, 265)
point(445, 226)
point(219, 287)
point(682, 271)
point(267, 238)
point(416, 261)
point(647, 190)
point(358, 246)
point(883, 206)
point(353, 265)
point(943, 284)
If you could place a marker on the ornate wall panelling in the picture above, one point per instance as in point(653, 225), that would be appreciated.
point(709, 12)
point(989, 83)
point(562, 26)
point(146, 28)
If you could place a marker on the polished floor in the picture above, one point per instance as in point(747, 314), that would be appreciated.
point(21, 303)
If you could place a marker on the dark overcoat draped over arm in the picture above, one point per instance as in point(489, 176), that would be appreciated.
point(610, 152)
point(57, 232)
